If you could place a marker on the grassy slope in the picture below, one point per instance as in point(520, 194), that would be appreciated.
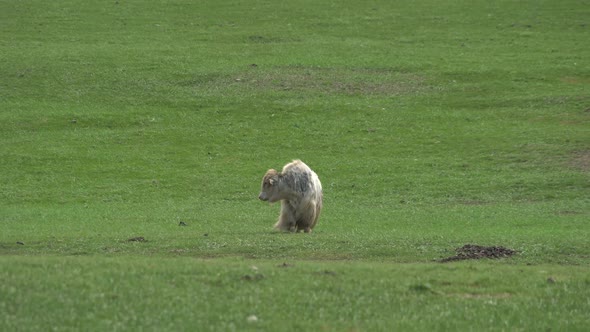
point(431, 125)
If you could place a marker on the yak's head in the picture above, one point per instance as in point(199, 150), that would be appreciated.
point(269, 190)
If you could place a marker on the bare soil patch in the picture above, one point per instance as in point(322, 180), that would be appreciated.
point(567, 213)
point(483, 296)
point(137, 239)
point(306, 79)
point(474, 202)
point(581, 160)
point(252, 277)
point(473, 251)
point(334, 80)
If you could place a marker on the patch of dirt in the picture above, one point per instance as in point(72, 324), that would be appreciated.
point(581, 160)
point(137, 239)
point(347, 81)
point(567, 213)
point(473, 251)
point(326, 273)
point(252, 277)
point(257, 39)
point(473, 202)
point(337, 81)
point(575, 80)
point(483, 296)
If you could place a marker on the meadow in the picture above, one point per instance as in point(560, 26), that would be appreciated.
point(134, 135)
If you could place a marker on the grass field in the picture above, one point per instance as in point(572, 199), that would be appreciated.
point(432, 124)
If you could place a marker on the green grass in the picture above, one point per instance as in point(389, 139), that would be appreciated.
point(431, 125)
point(187, 293)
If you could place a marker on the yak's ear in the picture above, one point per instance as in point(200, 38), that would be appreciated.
point(271, 176)
point(274, 178)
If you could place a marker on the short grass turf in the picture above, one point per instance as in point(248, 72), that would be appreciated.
point(431, 124)
point(144, 293)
